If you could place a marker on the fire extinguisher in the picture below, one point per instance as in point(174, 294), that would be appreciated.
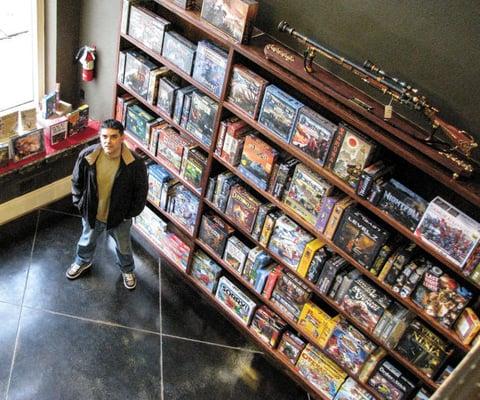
point(86, 56)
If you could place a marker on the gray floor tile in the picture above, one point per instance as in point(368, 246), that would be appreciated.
point(9, 316)
point(63, 358)
point(99, 293)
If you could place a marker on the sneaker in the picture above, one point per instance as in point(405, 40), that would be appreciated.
point(76, 270)
point(129, 280)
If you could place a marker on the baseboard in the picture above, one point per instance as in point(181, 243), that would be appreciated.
point(30, 201)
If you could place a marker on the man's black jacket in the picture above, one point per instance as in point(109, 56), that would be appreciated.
point(129, 191)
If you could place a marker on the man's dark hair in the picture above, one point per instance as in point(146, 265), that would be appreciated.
point(113, 124)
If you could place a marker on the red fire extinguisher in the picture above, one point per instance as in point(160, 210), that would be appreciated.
point(86, 56)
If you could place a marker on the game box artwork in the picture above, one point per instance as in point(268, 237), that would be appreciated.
point(278, 112)
point(210, 66)
point(257, 161)
point(450, 231)
point(201, 117)
point(242, 207)
point(137, 72)
point(147, 27)
point(235, 301)
point(234, 17)
point(179, 51)
point(205, 270)
point(313, 134)
point(28, 144)
point(360, 237)
point(246, 90)
point(288, 241)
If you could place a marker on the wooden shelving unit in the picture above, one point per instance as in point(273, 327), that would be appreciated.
point(331, 99)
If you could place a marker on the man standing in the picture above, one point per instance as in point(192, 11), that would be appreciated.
point(109, 187)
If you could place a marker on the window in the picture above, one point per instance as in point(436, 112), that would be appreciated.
point(21, 52)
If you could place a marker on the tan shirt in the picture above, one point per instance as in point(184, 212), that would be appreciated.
point(106, 170)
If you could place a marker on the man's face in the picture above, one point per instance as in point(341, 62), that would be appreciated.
point(111, 141)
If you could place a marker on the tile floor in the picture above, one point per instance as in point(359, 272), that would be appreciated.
point(92, 339)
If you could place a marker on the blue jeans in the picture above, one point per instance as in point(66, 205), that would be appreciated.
point(120, 234)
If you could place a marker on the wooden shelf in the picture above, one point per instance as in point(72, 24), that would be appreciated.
point(333, 95)
point(133, 141)
point(162, 60)
point(158, 248)
point(165, 117)
point(345, 188)
point(311, 229)
point(407, 364)
point(207, 249)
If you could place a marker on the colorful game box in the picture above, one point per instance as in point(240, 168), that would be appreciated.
point(147, 27)
point(402, 204)
point(360, 236)
point(441, 296)
point(268, 325)
point(288, 241)
point(28, 144)
point(453, 233)
point(349, 347)
point(305, 193)
point(320, 371)
point(138, 69)
point(179, 51)
point(236, 253)
point(257, 161)
point(167, 90)
point(210, 66)
point(214, 232)
point(201, 117)
point(313, 134)
point(391, 382)
point(354, 154)
point(278, 112)
point(423, 348)
point(351, 390)
point(205, 270)
point(235, 301)
point(242, 207)
point(235, 17)
point(291, 346)
point(246, 90)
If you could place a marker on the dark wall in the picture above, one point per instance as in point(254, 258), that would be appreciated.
point(432, 44)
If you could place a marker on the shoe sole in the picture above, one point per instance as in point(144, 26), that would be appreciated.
point(130, 287)
point(80, 272)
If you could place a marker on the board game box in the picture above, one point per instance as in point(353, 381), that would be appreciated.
point(210, 66)
point(441, 296)
point(242, 207)
point(179, 51)
point(402, 204)
point(214, 232)
point(167, 90)
point(268, 325)
point(234, 17)
point(351, 390)
point(453, 233)
point(291, 346)
point(349, 347)
point(257, 161)
point(305, 193)
point(205, 270)
point(360, 237)
point(354, 154)
point(235, 301)
point(313, 321)
point(365, 303)
point(313, 134)
point(391, 382)
point(138, 69)
point(288, 241)
point(246, 90)
point(172, 146)
point(236, 253)
point(28, 144)
point(183, 206)
point(147, 27)
point(201, 117)
point(320, 371)
point(278, 112)
point(423, 348)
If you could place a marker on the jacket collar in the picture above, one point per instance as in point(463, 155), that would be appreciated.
point(126, 155)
